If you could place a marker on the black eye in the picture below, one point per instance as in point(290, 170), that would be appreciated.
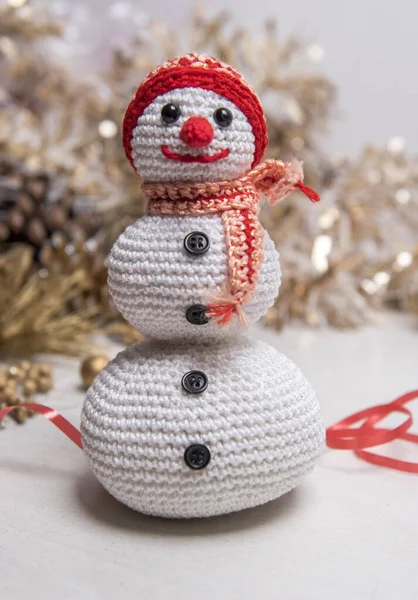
point(223, 117)
point(170, 113)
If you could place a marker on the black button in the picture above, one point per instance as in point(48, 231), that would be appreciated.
point(196, 242)
point(197, 456)
point(196, 314)
point(194, 382)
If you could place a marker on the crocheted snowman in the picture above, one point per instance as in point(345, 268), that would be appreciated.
point(201, 419)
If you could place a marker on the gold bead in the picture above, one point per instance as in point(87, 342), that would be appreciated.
point(25, 365)
point(33, 372)
point(3, 380)
point(12, 399)
point(30, 386)
point(91, 367)
point(20, 375)
point(20, 414)
point(13, 372)
point(45, 370)
point(10, 388)
point(44, 383)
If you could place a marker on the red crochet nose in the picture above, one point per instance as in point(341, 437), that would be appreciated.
point(197, 132)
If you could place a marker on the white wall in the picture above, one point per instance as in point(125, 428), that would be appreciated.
point(370, 53)
point(371, 49)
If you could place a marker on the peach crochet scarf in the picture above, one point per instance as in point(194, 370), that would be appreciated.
point(238, 203)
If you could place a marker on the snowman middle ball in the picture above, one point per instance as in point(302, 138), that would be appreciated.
point(156, 277)
point(194, 431)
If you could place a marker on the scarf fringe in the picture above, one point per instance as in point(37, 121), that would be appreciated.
point(225, 309)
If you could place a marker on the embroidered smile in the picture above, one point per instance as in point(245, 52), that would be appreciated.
point(200, 158)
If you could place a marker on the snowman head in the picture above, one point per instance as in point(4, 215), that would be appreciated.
point(194, 119)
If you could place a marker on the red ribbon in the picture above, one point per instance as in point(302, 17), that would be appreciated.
point(344, 437)
point(52, 415)
point(340, 435)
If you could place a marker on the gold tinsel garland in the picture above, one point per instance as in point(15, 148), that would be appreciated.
point(42, 311)
point(356, 252)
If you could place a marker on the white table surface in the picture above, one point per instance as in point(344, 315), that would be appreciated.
point(349, 532)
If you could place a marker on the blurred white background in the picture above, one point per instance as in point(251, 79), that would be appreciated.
point(370, 49)
point(71, 541)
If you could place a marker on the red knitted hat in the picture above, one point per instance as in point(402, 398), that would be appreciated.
point(206, 73)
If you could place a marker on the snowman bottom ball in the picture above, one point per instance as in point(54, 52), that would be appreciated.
point(200, 430)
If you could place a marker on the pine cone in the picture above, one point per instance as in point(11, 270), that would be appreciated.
point(33, 207)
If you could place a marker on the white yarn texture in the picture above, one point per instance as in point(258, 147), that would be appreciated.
point(151, 133)
point(153, 279)
point(259, 417)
